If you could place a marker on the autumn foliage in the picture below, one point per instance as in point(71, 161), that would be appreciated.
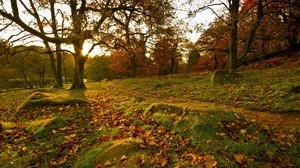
point(278, 31)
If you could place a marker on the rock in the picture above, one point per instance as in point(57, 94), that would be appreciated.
point(222, 76)
point(39, 99)
point(119, 151)
point(41, 128)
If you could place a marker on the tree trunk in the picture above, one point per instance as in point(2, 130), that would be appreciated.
point(59, 65)
point(173, 66)
point(78, 80)
point(216, 62)
point(55, 67)
point(133, 67)
point(233, 49)
point(65, 71)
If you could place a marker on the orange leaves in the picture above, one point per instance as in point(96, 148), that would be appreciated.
point(210, 161)
point(196, 160)
point(163, 162)
point(247, 5)
point(239, 158)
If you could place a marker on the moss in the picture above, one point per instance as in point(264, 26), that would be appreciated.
point(164, 108)
point(113, 153)
point(39, 99)
point(222, 76)
point(89, 157)
point(41, 128)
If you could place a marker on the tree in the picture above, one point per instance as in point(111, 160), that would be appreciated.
point(76, 23)
point(4, 51)
point(120, 64)
point(276, 34)
point(236, 13)
point(29, 65)
point(165, 54)
point(236, 60)
point(97, 68)
point(193, 57)
point(137, 26)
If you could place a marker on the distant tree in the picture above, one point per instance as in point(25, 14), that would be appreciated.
point(120, 64)
point(29, 65)
point(97, 68)
point(137, 26)
point(67, 66)
point(165, 54)
point(4, 51)
point(193, 57)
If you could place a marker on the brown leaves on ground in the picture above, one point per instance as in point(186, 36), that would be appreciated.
point(162, 147)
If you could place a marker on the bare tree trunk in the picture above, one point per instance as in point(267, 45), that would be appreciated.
point(133, 67)
point(234, 11)
point(55, 67)
point(78, 79)
point(234, 60)
point(59, 65)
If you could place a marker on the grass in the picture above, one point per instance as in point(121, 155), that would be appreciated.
point(265, 90)
point(179, 118)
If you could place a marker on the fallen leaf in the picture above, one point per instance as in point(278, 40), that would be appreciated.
point(107, 163)
point(124, 158)
point(239, 158)
point(210, 161)
point(163, 162)
point(208, 142)
point(143, 146)
point(221, 134)
point(140, 161)
point(243, 131)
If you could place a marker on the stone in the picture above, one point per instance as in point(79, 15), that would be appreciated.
point(222, 76)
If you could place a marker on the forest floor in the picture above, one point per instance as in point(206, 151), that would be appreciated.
point(172, 121)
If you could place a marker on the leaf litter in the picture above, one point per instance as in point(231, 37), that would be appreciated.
point(163, 147)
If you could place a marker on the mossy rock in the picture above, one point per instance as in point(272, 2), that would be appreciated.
point(164, 108)
point(117, 151)
point(179, 116)
point(41, 128)
point(39, 99)
point(222, 76)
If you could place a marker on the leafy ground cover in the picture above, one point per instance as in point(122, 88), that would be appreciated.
point(174, 121)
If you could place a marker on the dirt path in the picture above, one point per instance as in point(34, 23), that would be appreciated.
point(269, 119)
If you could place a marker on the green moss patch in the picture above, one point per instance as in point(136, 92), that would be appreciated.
point(42, 128)
point(39, 99)
point(119, 152)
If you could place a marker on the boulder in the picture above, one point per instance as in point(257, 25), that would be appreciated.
point(39, 99)
point(222, 76)
point(118, 151)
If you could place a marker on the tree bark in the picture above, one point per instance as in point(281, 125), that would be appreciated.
point(78, 79)
point(55, 68)
point(234, 11)
point(133, 67)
